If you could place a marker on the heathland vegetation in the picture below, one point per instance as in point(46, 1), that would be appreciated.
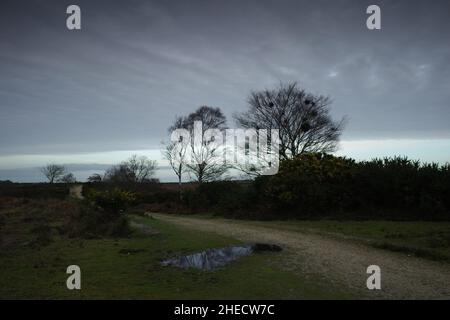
point(311, 183)
point(396, 203)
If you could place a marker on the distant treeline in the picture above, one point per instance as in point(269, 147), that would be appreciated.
point(309, 186)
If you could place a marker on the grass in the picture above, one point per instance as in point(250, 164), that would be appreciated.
point(35, 252)
point(33, 270)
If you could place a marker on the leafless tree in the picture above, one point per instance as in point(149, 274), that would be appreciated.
point(53, 172)
point(68, 178)
point(119, 174)
point(175, 152)
point(95, 178)
point(142, 168)
point(204, 154)
point(253, 152)
point(303, 119)
point(134, 170)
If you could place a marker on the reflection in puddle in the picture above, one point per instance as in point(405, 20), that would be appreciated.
point(214, 258)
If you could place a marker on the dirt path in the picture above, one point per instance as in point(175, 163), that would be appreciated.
point(342, 262)
point(76, 191)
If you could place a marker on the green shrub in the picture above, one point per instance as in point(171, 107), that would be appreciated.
point(314, 185)
point(229, 198)
point(311, 184)
point(112, 201)
point(100, 214)
point(404, 186)
point(89, 222)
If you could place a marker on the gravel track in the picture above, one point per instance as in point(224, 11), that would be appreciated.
point(339, 261)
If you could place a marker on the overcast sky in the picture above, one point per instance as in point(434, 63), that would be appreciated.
point(96, 94)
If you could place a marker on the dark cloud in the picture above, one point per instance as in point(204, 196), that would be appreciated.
point(118, 82)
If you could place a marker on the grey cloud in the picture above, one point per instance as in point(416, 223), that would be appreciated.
point(118, 82)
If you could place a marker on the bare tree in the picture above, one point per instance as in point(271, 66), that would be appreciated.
point(134, 170)
point(68, 178)
point(119, 174)
point(95, 178)
point(206, 155)
point(303, 119)
point(175, 152)
point(53, 172)
point(142, 168)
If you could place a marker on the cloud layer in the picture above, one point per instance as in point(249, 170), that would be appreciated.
point(118, 83)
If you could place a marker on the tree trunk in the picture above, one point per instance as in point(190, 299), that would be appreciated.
point(180, 195)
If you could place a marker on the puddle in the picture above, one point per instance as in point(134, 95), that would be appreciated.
point(214, 258)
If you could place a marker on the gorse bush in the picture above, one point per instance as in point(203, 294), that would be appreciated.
point(224, 197)
point(112, 201)
point(402, 184)
point(311, 184)
point(99, 215)
point(321, 185)
point(318, 184)
point(89, 222)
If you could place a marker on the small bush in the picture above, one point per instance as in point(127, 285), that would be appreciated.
point(89, 222)
point(112, 201)
point(311, 184)
point(100, 214)
point(230, 198)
